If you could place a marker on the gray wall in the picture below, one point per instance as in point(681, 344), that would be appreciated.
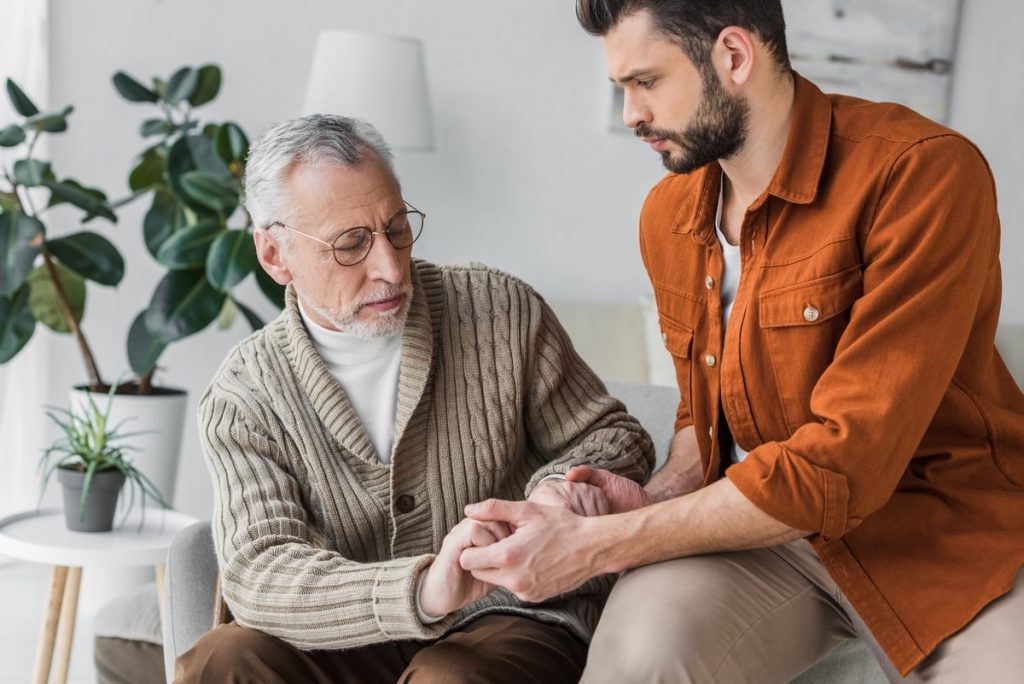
point(525, 177)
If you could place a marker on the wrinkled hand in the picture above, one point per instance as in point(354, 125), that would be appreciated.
point(579, 497)
point(550, 553)
point(447, 587)
point(621, 493)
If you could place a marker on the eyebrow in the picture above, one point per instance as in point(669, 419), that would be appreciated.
point(337, 232)
point(631, 76)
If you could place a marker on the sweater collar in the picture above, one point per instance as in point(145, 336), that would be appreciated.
point(325, 394)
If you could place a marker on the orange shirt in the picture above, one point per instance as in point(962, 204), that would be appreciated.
point(858, 367)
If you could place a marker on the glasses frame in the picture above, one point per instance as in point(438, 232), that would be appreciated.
point(373, 233)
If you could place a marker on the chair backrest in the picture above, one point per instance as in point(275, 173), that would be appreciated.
point(190, 592)
point(655, 407)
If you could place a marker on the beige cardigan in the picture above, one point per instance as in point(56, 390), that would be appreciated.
point(321, 545)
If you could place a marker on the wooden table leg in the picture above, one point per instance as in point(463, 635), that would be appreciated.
point(48, 630)
point(160, 595)
point(66, 630)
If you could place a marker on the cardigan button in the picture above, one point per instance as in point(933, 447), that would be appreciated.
point(811, 314)
point(405, 504)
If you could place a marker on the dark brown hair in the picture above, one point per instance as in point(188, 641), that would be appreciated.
point(694, 24)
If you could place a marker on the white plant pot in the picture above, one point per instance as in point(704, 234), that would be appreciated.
point(161, 417)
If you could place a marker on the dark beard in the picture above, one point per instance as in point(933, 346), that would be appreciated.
point(718, 129)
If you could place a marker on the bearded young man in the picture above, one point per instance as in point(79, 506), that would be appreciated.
point(345, 438)
point(849, 455)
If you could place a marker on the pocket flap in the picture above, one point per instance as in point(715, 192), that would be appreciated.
point(813, 302)
point(677, 337)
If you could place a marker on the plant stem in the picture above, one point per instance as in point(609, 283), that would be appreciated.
point(96, 384)
point(146, 383)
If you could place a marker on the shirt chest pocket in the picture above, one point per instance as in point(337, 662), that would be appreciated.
point(801, 325)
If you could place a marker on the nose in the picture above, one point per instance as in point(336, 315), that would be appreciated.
point(386, 263)
point(634, 109)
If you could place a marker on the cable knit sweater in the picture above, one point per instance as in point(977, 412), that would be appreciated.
point(318, 543)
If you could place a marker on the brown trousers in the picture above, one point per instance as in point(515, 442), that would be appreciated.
point(495, 648)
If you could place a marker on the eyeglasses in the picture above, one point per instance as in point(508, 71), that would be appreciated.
point(353, 245)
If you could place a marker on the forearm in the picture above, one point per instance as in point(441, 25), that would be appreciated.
point(682, 472)
point(314, 599)
point(714, 519)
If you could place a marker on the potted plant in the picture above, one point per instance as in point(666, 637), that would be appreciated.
point(91, 465)
point(42, 279)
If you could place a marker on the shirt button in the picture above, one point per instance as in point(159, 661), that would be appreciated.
point(811, 314)
point(711, 432)
point(664, 338)
point(405, 504)
point(709, 282)
point(710, 360)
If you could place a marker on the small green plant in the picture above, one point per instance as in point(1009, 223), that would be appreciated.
point(90, 445)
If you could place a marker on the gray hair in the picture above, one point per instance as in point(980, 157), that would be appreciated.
point(316, 139)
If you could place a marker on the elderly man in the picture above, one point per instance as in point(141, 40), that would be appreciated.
point(849, 454)
point(345, 438)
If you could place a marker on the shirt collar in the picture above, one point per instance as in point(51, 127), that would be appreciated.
point(797, 177)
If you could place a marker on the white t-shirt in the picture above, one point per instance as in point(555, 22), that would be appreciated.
point(729, 286)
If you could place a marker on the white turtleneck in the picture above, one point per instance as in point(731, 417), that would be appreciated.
point(367, 369)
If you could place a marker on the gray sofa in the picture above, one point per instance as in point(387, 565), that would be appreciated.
point(192, 568)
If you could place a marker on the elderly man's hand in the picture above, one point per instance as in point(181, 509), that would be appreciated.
point(620, 493)
point(552, 551)
point(447, 587)
point(579, 497)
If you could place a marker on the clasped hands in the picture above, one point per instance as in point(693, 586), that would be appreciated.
point(538, 548)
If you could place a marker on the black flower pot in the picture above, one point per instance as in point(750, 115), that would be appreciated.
point(99, 504)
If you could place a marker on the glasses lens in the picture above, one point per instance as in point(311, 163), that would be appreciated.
point(404, 229)
point(352, 246)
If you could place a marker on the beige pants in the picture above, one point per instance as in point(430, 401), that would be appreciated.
point(765, 616)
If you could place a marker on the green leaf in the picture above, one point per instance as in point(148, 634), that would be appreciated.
point(208, 85)
point(232, 145)
point(91, 200)
point(270, 288)
point(150, 169)
point(7, 203)
point(20, 238)
point(31, 172)
point(143, 348)
point(181, 85)
point(12, 136)
point(164, 218)
point(91, 256)
point(213, 192)
point(191, 153)
point(255, 322)
point(22, 104)
point(43, 298)
point(184, 303)
point(189, 248)
point(50, 122)
point(232, 257)
point(16, 323)
point(156, 127)
point(132, 90)
point(227, 315)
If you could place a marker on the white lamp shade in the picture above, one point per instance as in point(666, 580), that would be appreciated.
point(377, 78)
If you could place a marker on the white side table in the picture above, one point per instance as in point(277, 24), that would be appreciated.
point(42, 537)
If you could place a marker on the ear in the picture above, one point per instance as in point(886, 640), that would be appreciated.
point(734, 55)
point(271, 256)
